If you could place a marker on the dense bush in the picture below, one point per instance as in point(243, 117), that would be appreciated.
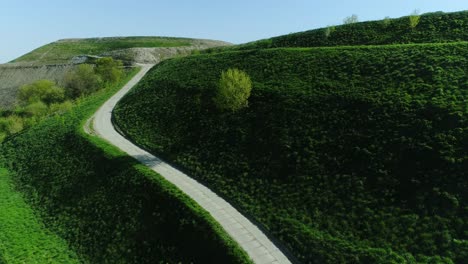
point(233, 91)
point(109, 208)
point(42, 90)
point(81, 81)
point(346, 155)
point(108, 69)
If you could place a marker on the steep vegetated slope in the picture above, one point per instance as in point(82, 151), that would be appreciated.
point(347, 155)
point(428, 28)
point(107, 207)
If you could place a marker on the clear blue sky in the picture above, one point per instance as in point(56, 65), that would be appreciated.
point(28, 24)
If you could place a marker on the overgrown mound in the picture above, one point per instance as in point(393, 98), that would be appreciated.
point(346, 155)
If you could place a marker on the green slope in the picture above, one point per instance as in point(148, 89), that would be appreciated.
point(346, 155)
point(64, 50)
point(23, 237)
point(106, 206)
point(432, 28)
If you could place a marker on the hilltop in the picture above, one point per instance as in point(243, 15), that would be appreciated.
point(71, 50)
point(436, 27)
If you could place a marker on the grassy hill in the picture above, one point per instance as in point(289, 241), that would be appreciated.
point(105, 205)
point(63, 51)
point(345, 154)
point(432, 28)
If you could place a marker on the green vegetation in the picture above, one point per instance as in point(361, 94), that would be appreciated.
point(431, 28)
point(81, 81)
point(43, 97)
point(64, 50)
point(109, 69)
point(42, 90)
point(233, 91)
point(108, 207)
point(346, 155)
point(414, 19)
point(23, 238)
point(13, 77)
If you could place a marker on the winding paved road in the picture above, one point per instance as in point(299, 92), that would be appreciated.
point(249, 237)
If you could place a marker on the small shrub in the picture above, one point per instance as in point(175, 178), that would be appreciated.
point(329, 30)
point(11, 125)
point(61, 107)
point(387, 21)
point(351, 19)
point(414, 19)
point(195, 52)
point(233, 91)
point(36, 109)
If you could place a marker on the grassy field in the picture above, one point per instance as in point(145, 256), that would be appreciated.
point(346, 155)
point(23, 236)
point(106, 206)
point(64, 50)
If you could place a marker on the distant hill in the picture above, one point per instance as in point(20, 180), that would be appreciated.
point(63, 51)
point(53, 60)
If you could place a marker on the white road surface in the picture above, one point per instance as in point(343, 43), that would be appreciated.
point(249, 237)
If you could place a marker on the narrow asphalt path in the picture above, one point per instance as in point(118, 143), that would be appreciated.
point(249, 237)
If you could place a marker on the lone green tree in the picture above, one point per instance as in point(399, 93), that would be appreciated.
point(234, 90)
point(42, 90)
point(414, 19)
point(108, 69)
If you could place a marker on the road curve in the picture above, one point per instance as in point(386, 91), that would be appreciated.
point(249, 237)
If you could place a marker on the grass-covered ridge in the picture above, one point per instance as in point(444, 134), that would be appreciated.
point(64, 50)
point(108, 207)
point(432, 28)
point(347, 155)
